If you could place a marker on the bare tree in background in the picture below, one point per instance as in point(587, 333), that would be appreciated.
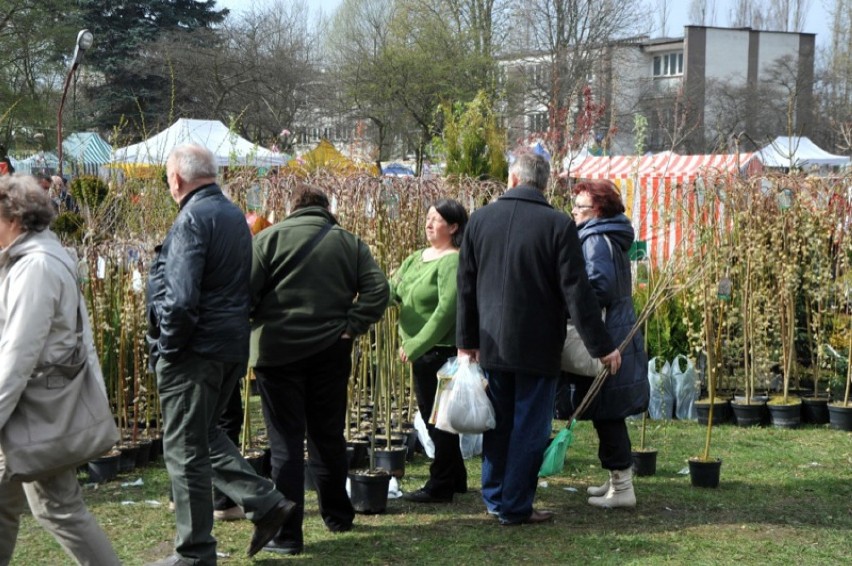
point(255, 72)
point(360, 36)
point(702, 12)
point(834, 87)
point(570, 39)
point(664, 10)
point(787, 15)
point(481, 20)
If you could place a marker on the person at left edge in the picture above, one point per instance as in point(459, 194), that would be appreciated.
point(38, 314)
point(199, 319)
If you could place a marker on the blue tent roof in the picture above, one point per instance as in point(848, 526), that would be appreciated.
point(86, 148)
point(397, 170)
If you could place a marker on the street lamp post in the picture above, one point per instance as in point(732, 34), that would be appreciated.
point(84, 42)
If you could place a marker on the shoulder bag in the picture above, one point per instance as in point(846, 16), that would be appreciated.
point(63, 418)
point(575, 357)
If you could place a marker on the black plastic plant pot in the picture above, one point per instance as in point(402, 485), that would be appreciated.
point(644, 462)
point(785, 416)
point(704, 473)
point(721, 411)
point(392, 460)
point(127, 460)
point(748, 414)
point(815, 410)
point(105, 468)
point(143, 455)
point(840, 416)
point(357, 453)
point(369, 491)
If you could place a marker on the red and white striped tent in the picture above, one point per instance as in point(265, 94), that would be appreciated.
point(656, 189)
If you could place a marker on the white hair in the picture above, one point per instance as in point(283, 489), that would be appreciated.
point(192, 162)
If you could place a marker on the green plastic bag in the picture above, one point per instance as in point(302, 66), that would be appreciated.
point(554, 456)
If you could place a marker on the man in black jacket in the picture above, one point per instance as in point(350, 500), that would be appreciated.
point(198, 312)
point(521, 273)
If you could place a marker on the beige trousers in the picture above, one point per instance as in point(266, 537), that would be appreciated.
point(57, 504)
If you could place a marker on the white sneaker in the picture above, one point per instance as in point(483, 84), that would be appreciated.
point(234, 513)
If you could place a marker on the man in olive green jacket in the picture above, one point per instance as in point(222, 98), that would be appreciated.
point(315, 287)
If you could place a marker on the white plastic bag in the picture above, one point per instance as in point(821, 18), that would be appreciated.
point(465, 406)
point(686, 388)
point(423, 435)
point(471, 445)
point(661, 404)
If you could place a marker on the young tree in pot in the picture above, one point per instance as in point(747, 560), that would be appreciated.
point(787, 244)
point(369, 487)
point(752, 215)
point(840, 411)
point(714, 294)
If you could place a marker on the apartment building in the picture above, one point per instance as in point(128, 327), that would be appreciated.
point(710, 90)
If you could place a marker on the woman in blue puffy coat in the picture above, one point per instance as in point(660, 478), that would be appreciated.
point(606, 235)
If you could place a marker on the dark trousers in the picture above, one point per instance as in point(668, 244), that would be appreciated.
point(193, 394)
point(309, 396)
point(613, 444)
point(231, 423)
point(447, 474)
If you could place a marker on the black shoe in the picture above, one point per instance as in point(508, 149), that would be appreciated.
point(267, 527)
point(288, 548)
point(423, 496)
point(536, 518)
point(339, 527)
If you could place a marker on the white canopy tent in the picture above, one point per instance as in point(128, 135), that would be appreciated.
point(228, 147)
point(798, 151)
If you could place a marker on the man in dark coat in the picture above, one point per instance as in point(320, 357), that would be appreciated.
point(521, 274)
point(198, 311)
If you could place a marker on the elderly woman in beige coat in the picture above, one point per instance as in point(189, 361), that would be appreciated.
point(38, 321)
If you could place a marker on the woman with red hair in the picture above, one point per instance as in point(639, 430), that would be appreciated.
point(606, 235)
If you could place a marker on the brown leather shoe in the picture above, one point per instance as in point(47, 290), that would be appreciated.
point(267, 527)
point(535, 518)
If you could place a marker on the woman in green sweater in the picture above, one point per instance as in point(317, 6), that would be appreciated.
point(425, 287)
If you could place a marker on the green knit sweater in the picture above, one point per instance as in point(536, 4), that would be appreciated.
point(426, 291)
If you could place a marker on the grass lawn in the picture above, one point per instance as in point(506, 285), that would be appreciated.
point(785, 498)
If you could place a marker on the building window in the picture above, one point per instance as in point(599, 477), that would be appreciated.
point(538, 122)
point(668, 65)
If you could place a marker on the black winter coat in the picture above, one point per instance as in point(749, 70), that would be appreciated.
point(198, 285)
point(520, 275)
point(627, 392)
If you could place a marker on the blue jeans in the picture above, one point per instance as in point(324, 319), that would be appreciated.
point(514, 450)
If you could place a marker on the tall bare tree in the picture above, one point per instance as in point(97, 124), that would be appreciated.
point(834, 87)
point(254, 72)
point(702, 12)
point(568, 42)
point(787, 15)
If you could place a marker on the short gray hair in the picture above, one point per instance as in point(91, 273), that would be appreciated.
point(23, 199)
point(531, 169)
point(193, 162)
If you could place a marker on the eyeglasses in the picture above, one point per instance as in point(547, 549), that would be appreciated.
point(576, 206)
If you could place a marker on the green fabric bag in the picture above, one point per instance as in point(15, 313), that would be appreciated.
point(554, 456)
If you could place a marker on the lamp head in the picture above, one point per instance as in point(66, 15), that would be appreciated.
point(85, 39)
